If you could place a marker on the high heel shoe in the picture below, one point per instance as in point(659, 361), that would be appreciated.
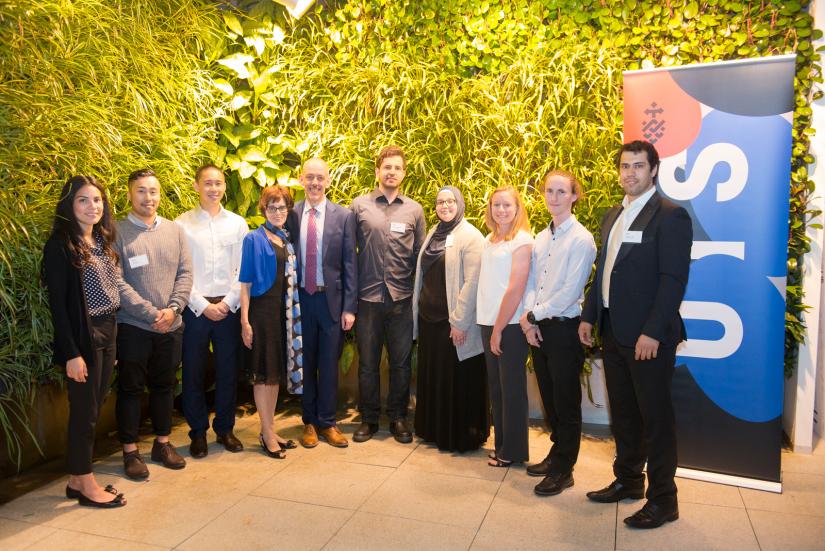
point(71, 493)
point(278, 454)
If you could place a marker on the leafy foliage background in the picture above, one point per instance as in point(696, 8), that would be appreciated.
point(478, 92)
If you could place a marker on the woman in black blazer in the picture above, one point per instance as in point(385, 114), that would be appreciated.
point(85, 286)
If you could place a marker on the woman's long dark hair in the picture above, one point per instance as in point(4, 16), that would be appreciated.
point(67, 230)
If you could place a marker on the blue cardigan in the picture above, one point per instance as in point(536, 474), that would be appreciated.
point(259, 266)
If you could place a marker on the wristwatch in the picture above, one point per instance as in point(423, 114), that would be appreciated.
point(175, 309)
point(531, 318)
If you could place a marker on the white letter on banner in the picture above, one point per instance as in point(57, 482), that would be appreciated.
point(705, 163)
point(712, 311)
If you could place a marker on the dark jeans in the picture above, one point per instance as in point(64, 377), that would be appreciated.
point(86, 398)
point(146, 359)
point(225, 336)
point(322, 340)
point(558, 364)
point(389, 321)
point(507, 380)
point(641, 413)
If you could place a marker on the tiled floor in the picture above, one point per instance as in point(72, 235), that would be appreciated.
point(383, 495)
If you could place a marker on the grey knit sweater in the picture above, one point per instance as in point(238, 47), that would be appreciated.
point(156, 263)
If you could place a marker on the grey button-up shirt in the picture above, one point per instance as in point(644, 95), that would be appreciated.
point(388, 237)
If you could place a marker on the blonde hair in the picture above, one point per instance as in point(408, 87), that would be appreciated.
point(520, 222)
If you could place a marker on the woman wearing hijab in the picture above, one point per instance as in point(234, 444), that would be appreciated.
point(451, 394)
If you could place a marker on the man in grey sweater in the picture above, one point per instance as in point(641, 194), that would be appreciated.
point(156, 262)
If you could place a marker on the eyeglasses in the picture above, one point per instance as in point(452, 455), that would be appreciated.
point(277, 210)
point(447, 202)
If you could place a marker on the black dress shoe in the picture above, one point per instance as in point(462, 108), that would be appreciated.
point(616, 492)
point(653, 515)
point(118, 501)
point(198, 448)
point(553, 484)
point(401, 431)
point(541, 468)
point(365, 432)
point(230, 442)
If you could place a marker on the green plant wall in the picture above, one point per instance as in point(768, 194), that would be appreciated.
point(97, 87)
point(482, 93)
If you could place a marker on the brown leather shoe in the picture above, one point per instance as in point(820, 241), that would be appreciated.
point(133, 465)
point(167, 454)
point(334, 437)
point(230, 442)
point(310, 437)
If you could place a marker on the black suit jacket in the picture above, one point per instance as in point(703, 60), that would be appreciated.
point(649, 278)
point(339, 262)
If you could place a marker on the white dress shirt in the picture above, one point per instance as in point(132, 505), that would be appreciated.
point(494, 277)
point(560, 265)
point(630, 210)
point(320, 212)
point(215, 244)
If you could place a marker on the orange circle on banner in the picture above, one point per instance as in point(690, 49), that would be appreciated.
point(656, 109)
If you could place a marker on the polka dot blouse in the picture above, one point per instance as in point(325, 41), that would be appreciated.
point(100, 282)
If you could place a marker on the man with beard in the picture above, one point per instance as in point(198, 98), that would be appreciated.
point(390, 229)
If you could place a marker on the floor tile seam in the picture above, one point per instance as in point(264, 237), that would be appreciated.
point(38, 540)
point(125, 540)
point(208, 521)
point(334, 534)
point(421, 470)
point(285, 500)
point(489, 506)
point(395, 470)
point(794, 513)
point(753, 529)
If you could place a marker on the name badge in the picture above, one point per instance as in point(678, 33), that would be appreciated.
point(450, 241)
point(138, 261)
point(398, 227)
point(633, 236)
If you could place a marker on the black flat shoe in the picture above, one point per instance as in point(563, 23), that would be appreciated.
point(652, 515)
point(288, 445)
point(277, 454)
point(118, 501)
point(71, 493)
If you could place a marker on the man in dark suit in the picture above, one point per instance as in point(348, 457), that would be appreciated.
point(325, 234)
point(641, 275)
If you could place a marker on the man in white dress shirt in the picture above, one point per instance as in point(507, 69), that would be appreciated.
point(215, 236)
point(562, 260)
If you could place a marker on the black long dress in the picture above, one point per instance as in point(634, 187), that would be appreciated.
point(266, 361)
point(452, 408)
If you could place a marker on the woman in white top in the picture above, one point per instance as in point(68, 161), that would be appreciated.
point(505, 265)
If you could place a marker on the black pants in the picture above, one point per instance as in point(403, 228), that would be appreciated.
point(507, 380)
point(86, 398)
point(389, 321)
point(558, 365)
point(641, 413)
point(146, 359)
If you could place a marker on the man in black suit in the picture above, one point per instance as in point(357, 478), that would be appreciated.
point(634, 300)
point(325, 236)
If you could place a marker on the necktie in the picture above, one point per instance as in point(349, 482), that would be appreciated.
point(311, 264)
point(613, 246)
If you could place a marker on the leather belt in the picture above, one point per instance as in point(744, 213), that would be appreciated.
point(214, 300)
point(558, 319)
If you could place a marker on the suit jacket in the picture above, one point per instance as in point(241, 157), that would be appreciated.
point(649, 278)
point(338, 259)
point(462, 262)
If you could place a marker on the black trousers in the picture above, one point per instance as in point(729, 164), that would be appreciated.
point(641, 412)
point(146, 359)
point(389, 321)
point(507, 381)
point(86, 398)
point(558, 364)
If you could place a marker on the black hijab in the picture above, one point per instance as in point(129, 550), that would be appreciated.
point(437, 244)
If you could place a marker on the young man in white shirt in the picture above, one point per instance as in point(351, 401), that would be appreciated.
point(562, 260)
point(215, 236)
